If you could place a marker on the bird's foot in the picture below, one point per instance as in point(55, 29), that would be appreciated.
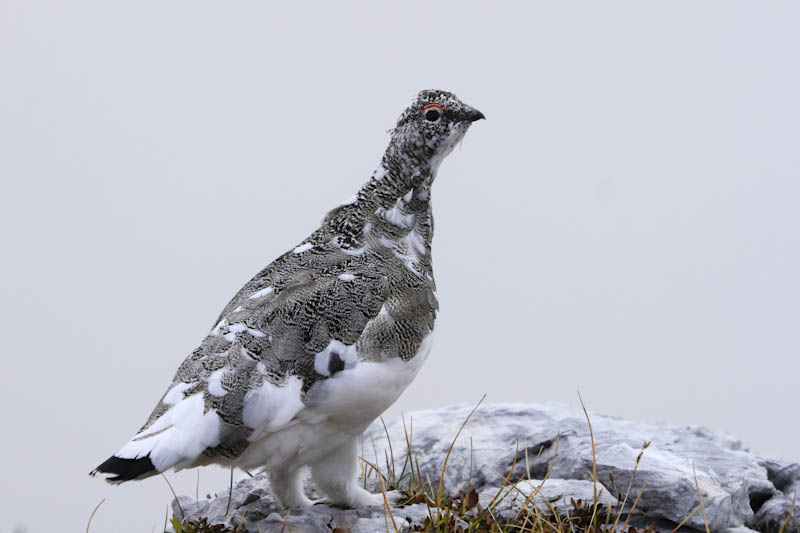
point(299, 501)
point(367, 499)
point(359, 497)
point(393, 497)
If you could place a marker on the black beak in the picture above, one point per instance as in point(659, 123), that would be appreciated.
point(473, 115)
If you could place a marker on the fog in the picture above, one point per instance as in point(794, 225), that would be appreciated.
point(624, 223)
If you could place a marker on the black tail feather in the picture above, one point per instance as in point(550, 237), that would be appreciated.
point(125, 469)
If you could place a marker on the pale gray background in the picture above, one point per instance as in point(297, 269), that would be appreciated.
point(625, 222)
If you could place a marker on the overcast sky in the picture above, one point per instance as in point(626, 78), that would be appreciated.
point(625, 223)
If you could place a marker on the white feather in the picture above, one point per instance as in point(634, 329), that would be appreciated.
point(336, 410)
point(262, 292)
point(347, 353)
point(178, 436)
point(271, 407)
point(215, 383)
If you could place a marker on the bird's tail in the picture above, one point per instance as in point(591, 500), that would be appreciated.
point(120, 469)
point(176, 439)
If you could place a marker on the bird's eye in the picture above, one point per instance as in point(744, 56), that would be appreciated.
point(432, 112)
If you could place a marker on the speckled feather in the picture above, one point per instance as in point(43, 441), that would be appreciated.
point(358, 289)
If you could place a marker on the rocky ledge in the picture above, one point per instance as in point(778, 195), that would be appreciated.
point(507, 444)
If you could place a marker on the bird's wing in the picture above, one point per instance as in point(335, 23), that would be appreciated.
point(296, 323)
point(249, 376)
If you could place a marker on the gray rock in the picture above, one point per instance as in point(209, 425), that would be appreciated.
point(734, 483)
point(255, 509)
point(774, 512)
point(527, 443)
point(544, 495)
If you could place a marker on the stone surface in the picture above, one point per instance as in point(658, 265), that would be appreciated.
point(258, 512)
point(528, 443)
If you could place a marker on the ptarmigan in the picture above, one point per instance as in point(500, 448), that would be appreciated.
point(318, 344)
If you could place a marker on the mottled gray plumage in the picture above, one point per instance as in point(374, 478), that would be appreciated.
point(359, 289)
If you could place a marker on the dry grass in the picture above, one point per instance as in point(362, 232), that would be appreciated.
point(463, 513)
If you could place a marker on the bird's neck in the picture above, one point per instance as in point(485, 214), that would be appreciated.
point(399, 191)
point(403, 171)
point(392, 209)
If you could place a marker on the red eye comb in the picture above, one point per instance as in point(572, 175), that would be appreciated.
point(432, 106)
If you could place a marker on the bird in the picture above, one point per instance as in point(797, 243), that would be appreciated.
point(320, 342)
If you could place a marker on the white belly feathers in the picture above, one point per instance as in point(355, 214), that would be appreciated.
point(335, 410)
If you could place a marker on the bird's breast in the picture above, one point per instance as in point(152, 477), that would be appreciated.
point(359, 393)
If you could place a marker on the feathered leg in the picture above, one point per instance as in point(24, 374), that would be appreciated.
point(336, 476)
point(287, 485)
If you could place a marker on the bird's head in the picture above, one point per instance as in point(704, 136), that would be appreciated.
point(433, 125)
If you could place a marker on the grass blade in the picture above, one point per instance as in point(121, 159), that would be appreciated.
point(89, 524)
point(444, 466)
point(183, 515)
point(788, 515)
